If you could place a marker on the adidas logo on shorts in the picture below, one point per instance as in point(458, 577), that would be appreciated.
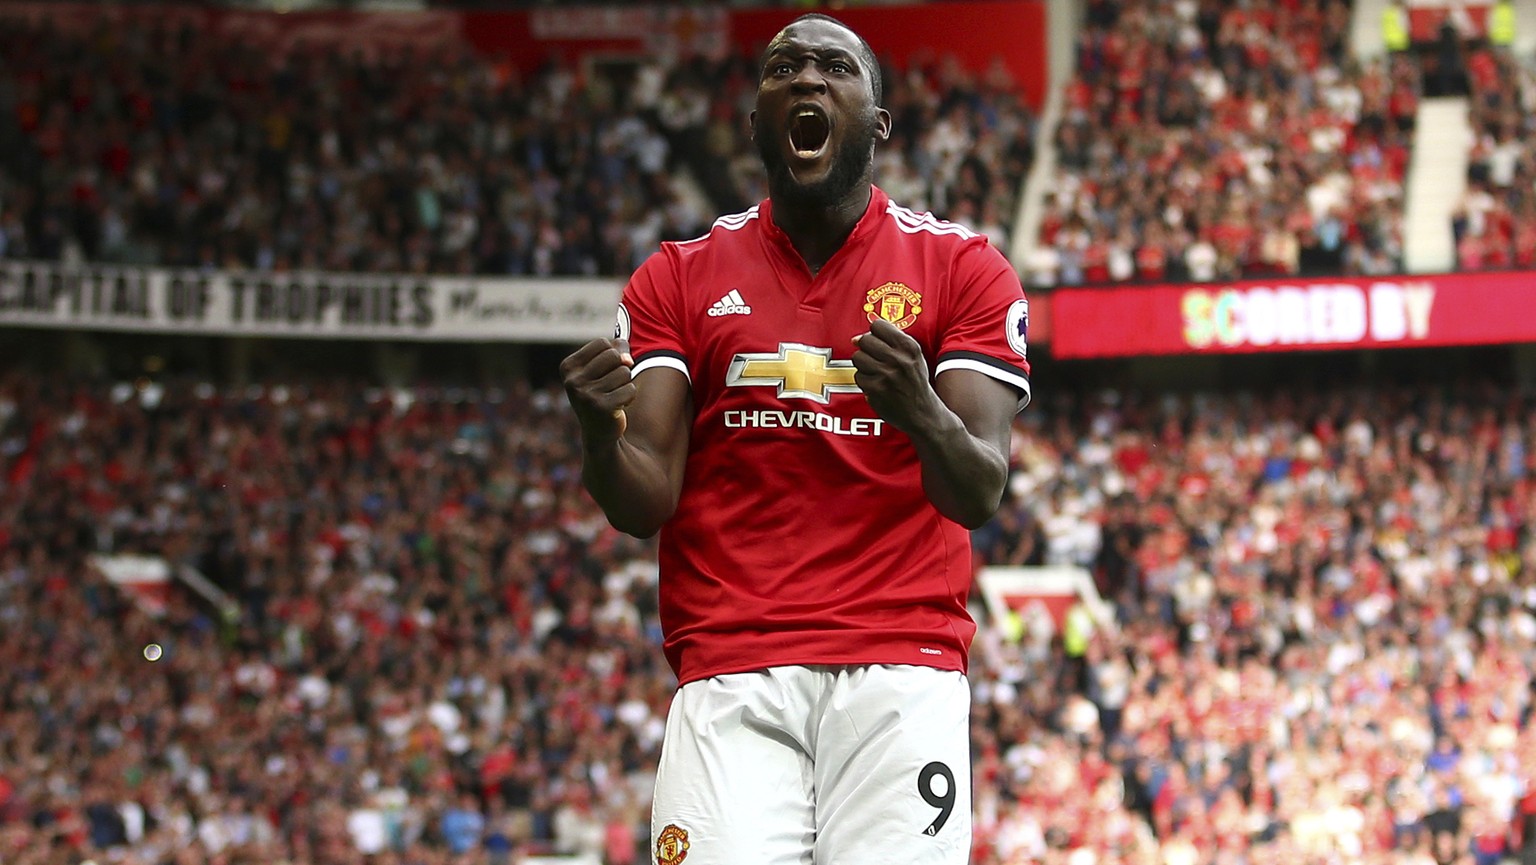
point(731, 304)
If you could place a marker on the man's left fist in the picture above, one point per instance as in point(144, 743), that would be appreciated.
point(890, 369)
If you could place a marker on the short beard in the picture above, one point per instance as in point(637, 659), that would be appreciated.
point(850, 167)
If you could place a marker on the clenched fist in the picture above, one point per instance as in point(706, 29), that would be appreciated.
point(599, 384)
point(893, 374)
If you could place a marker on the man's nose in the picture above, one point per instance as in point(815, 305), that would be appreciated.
point(809, 80)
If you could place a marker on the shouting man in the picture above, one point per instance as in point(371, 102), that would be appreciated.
point(812, 403)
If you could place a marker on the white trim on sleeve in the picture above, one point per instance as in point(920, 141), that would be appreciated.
point(658, 361)
point(1017, 379)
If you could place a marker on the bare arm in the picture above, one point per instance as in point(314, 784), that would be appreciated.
point(960, 425)
point(634, 434)
point(965, 454)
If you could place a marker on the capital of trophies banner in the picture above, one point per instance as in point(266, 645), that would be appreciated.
point(335, 305)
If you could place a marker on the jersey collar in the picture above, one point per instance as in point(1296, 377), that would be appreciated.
point(878, 202)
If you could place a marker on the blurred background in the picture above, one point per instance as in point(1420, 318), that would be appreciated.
point(295, 566)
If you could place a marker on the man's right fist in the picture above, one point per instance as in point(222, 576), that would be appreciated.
point(599, 384)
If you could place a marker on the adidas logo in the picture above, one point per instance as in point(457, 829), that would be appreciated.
point(731, 304)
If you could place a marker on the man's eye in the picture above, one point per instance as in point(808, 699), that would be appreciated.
point(782, 68)
point(840, 67)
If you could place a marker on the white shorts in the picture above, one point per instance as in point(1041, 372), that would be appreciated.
point(821, 765)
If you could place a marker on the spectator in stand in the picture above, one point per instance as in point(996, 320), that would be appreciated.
point(463, 825)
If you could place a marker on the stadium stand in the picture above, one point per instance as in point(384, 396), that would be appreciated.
point(1328, 614)
point(434, 621)
point(1214, 141)
point(1495, 223)
point(155, 145)
point(117, 154)
point(1327, 597)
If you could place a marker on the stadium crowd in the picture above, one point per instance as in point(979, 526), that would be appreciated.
point(1213, 140)
point(1199, 141)
point(441, 651)
point(1326, 601)
point(150, 143)
point(157, 145)
point(1326, 626)
point(1495, 222)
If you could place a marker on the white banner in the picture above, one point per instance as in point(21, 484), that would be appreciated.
point(146, 580)
point(1053, 589)
point(335, 305)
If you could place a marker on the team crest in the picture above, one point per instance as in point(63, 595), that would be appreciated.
point(671, 845)
point(894, 302)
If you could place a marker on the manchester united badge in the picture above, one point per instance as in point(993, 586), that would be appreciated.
point(672, 845)
point(894, 302)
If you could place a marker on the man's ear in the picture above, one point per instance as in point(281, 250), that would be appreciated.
point(752, 125)
point(883, 123)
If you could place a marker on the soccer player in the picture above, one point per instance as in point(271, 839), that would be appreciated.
point(812, 404)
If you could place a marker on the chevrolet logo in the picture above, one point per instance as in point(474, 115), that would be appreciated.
point(800, 371)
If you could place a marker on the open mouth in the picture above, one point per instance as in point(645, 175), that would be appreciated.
point(809, 132)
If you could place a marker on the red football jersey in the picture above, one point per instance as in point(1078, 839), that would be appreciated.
point(803, 535)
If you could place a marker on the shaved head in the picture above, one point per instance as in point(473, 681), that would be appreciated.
point(866, 54)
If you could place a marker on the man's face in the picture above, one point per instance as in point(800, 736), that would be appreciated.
point(816, 121)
